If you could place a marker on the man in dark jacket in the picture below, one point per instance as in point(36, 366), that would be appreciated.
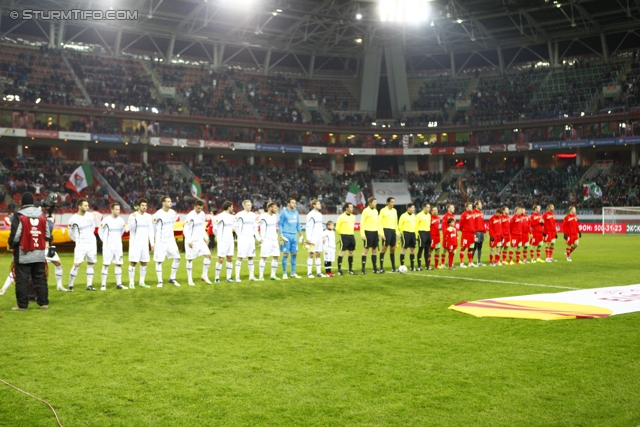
point(30, 233)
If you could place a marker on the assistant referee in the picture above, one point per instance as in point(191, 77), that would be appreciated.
point(389, 222)
point(423, 232)
point(371, 233)
point(344, 227)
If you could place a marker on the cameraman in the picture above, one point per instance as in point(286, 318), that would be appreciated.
point(30, 233)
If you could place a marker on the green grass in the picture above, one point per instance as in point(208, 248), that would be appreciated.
point(365, 351)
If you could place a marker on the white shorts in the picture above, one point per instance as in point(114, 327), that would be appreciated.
point(316, 245)
point(55, 258)
point(246, 247)
point(200, 248)
point(139, 253)
point(225, 248)
point(85, 251)
point(111, 256)
point(329, 254)
point(164, 250)
point(269, 248)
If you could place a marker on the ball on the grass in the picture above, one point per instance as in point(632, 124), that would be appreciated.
point(403, 269)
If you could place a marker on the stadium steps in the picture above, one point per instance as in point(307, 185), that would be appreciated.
point(542, 84)
point(242, 96)
point(87, 98)
point(157, 82)
point(323, 112)
point(509, 185)
point(302, 107)
point(114, 195)
point(352, 86)
point(443, 196)
point(473, 84)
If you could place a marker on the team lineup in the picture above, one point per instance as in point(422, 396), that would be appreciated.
point(516, 239)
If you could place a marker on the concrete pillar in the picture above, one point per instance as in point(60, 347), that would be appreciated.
point(172, 43)
point(251, 160)
point(61, 29)
point(267, 60)
point(85, 154)
point(145, 155)
point(52, 34)
point(118, 43)
point(20, 147)
point(550, 50)
point(478, 165)
point(312, 64)
point(370, 79)
point(527, 160)
point(339, 159)
point(397, 76)
point(299, 161)
point(634, 155)
point(333, 165)
point(200, 156)
point(556, 54)
point(605, 48)
point(453, 65)
point(441, 164)
point(500, 60)
point(579, 157)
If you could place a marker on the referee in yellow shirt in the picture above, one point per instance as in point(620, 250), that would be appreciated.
point(371, 233)
point(389, 222)
point(344, 227)
point(423, 233)
point(407, 226)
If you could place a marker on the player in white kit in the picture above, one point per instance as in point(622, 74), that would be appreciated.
point(196, 242)
point(246, 227)
point(314, 238)
point(110, 231)
point(329, 246)
point(224, 232)
point(81, 231)
point(165, 242)
point(269, 245)
point(140, 238)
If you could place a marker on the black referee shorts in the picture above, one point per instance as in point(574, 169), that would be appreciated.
point(425, 239)
point(348, 242)
point(408, 239)
point(390, 236)
point(372, 239)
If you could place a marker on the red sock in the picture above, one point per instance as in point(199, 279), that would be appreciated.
point(470, 256)
point(510, 256)
point(461, 257)
point(547, 252)
point(538, 253)
point(551, 252)
point(490, 258)
point(517, 257)
point(437, 259)
point(568, 252)
point(451, 255)
point(504, 256)
point(442, 258)
point(524, 254)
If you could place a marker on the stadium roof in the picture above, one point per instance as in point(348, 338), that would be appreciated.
point(301, 28)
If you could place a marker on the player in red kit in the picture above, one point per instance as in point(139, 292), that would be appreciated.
point(436, 247)
point(495, 238)
point(478, 218)
point(537, 228)
point(450, 237)
point(445, 221)
point(468, 228)
point(506, 235)
point(571, 231)
point(550, 233)
point(515, 226)
point(526, 229)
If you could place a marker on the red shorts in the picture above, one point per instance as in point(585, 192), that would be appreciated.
point(516, 240)
point(550, 237)
point(435, 241)
point(536, 239)
point(571, 239)
point(494, 241)
point(451, 248)
point(467, 240)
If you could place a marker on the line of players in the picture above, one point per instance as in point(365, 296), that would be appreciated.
point(512, 236)
point(520, 235)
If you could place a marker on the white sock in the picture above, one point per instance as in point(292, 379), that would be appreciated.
point(238, 267)
point(72, 275)
point(274, 267)
point(118, 269)
point(7, 283)
point(261, 266)
point(143, 273)
point(159, 271)
point(309, 266)
point(250, 263)
point(205, 267)
point(190, 270)
point(218, 269)
point(132, 275)
point(89, 275)
point(59, 276)
point(229, 269)
point(318, 268)
point(174, 268)
point(105, 273)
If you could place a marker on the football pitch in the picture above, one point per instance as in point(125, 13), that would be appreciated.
point(374, 350)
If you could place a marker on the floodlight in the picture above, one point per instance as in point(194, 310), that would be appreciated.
point(411, 11)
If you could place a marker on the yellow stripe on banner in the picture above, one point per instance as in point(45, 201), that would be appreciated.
point(540, 310)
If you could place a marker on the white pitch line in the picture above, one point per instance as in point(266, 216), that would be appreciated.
point(492, 281)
